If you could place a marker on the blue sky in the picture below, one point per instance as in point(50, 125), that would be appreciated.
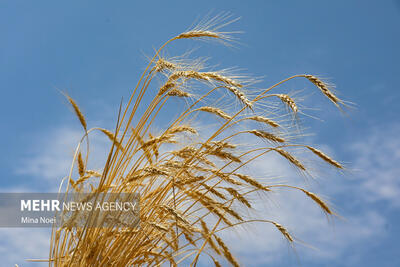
point(96, 50)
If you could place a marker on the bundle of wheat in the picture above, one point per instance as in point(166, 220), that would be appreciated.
point(187, 177)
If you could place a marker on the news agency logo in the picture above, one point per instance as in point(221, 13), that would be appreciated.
point(69, 210)
point(54, 205)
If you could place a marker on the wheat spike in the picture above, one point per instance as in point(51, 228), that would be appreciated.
point(325, 157)
point(153, 147)
point(167, 86)
point(78, 112)
point(221, 144)
point(93, 173)
point(226, 177)
point(163, 64)
point(290, 158)
point(189, 238)
point(213, 191)
point(155, 171)
point(251, 181)
point(208, 237)
point(240, 95)
point(111, 136)
point(166, 138)
point(221, 78)
point(223, 155)
point(324, 89)
point(289, 102)
point(81, 165)
point(178, 93)
point(158, 226)
point(191, 180)
point(232, 212)
point(216, 263)
point(187, 74)
point(145, 149)
point(238, 196)
point(215, 111)
point(266, 135)
point(228, 255)
point(209, 76)
point(175, 213)
point(182, 128)
point(283, 231)
point(318, 200)
point(174, 239)
point(264, 120)
point(197, 34)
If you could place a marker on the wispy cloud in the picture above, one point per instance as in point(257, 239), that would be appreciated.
point(51, 154)
point(19, 244)
point(318, 239)
point(376, 164)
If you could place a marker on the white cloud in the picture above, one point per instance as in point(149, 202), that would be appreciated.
point(376, 164)
point(20, 244)
point(51, 155)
